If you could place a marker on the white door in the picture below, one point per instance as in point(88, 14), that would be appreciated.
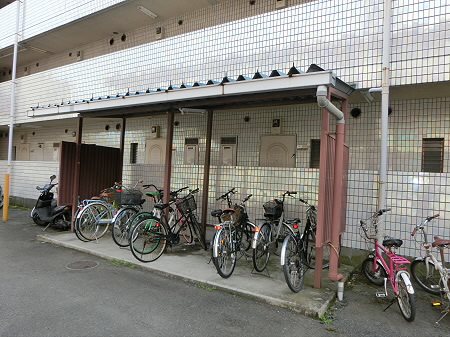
point(23, 152)
point(155, 151)
point(278, 151)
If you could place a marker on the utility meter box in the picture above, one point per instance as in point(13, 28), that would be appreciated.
point(280, 4)
point(191, 151)
point(159, 33)
point(155, 131)
point(228, 151)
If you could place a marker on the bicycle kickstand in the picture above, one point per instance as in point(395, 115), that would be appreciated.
point(444, 313)
point(390, 304)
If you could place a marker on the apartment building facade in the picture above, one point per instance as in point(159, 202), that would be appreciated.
point(86, 51)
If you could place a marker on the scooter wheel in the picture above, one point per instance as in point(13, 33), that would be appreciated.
point(37, 220)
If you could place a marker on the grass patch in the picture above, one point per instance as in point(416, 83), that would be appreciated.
point(206, 287)
point(327, 318)
point(121, 263)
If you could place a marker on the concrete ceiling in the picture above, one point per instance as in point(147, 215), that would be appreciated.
point(4, 3)
point(123, 17)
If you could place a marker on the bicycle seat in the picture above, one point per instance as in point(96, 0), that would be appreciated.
point(216, 213)
point(391, 242)
point(438, 242)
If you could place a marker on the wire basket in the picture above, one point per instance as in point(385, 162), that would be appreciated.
point(129, 197)
point(369, 230)
point(273, 209)
point(186, 204)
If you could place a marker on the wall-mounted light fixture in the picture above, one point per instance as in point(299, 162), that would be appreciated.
point(147, 12)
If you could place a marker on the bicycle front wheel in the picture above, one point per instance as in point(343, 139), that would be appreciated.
point(196, 230)
point(225, 261)
point(148, 239)
point(94, 221)
point(122, 225)
point(261, 250)
point(406, 301)
point(426, 276)
point(294, 268)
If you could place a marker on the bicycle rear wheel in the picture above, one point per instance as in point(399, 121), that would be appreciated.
point(75, 227)
point(406, 301)
point(261, 250)
point(122, 225)
point(294, 268)
point(94, 221)
point(148, 239)
point(426, 277)
point(309, 251)
point(374, 276)
point(225, 261)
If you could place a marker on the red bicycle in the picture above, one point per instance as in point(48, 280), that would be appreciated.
point(383, 265)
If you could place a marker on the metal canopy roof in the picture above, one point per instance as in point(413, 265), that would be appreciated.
point(261, 89)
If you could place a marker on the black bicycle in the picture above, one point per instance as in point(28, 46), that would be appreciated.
point(298, 250)
point(267, 237)
point(150, 236)
point(233, 236)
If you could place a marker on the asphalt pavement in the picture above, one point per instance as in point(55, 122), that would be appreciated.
point(42, 293)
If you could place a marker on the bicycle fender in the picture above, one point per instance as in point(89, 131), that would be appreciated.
point(283, 250)
point(216, 243)
point(255, 240)
point(405, 276)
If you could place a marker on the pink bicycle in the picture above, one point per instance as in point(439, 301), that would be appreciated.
point(383, 264)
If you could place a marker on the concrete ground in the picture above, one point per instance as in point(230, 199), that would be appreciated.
point(193, 264)
point(39, 296)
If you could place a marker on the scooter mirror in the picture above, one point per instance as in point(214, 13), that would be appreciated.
point(53, 177)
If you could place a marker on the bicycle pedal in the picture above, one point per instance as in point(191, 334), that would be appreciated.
point(436, 303)
point(380, 294)
point(435, 286)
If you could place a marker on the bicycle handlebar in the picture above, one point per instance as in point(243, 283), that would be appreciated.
point(289, 193)
point(175, 193)
point(433, 217)
point(151, 185)
point(194, 191)
point(247, 197)
point(421, 226)
point(381, 211)
point(224, 196)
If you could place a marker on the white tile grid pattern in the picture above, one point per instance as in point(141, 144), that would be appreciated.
point(38, 17)
point(344, 37)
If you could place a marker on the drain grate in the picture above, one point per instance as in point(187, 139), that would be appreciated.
point(82, 265)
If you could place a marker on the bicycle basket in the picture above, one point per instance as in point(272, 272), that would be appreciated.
point(186, 204)
point(273, 209)
point(368, 230)
point(130, 197)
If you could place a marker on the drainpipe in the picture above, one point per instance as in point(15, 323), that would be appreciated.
point(11, 117)
point(322, 100)
point(384, 109)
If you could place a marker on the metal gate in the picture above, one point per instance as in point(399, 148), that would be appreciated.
point(100, 167)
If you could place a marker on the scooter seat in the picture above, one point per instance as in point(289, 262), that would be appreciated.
point(59, 209)
point(391, 242)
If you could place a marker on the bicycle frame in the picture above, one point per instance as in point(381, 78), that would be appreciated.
point(281, 223)
point(393, 269)
point(431, 258)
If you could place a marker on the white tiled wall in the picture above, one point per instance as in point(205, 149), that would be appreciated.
point(38, 16)
point(341, 36)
